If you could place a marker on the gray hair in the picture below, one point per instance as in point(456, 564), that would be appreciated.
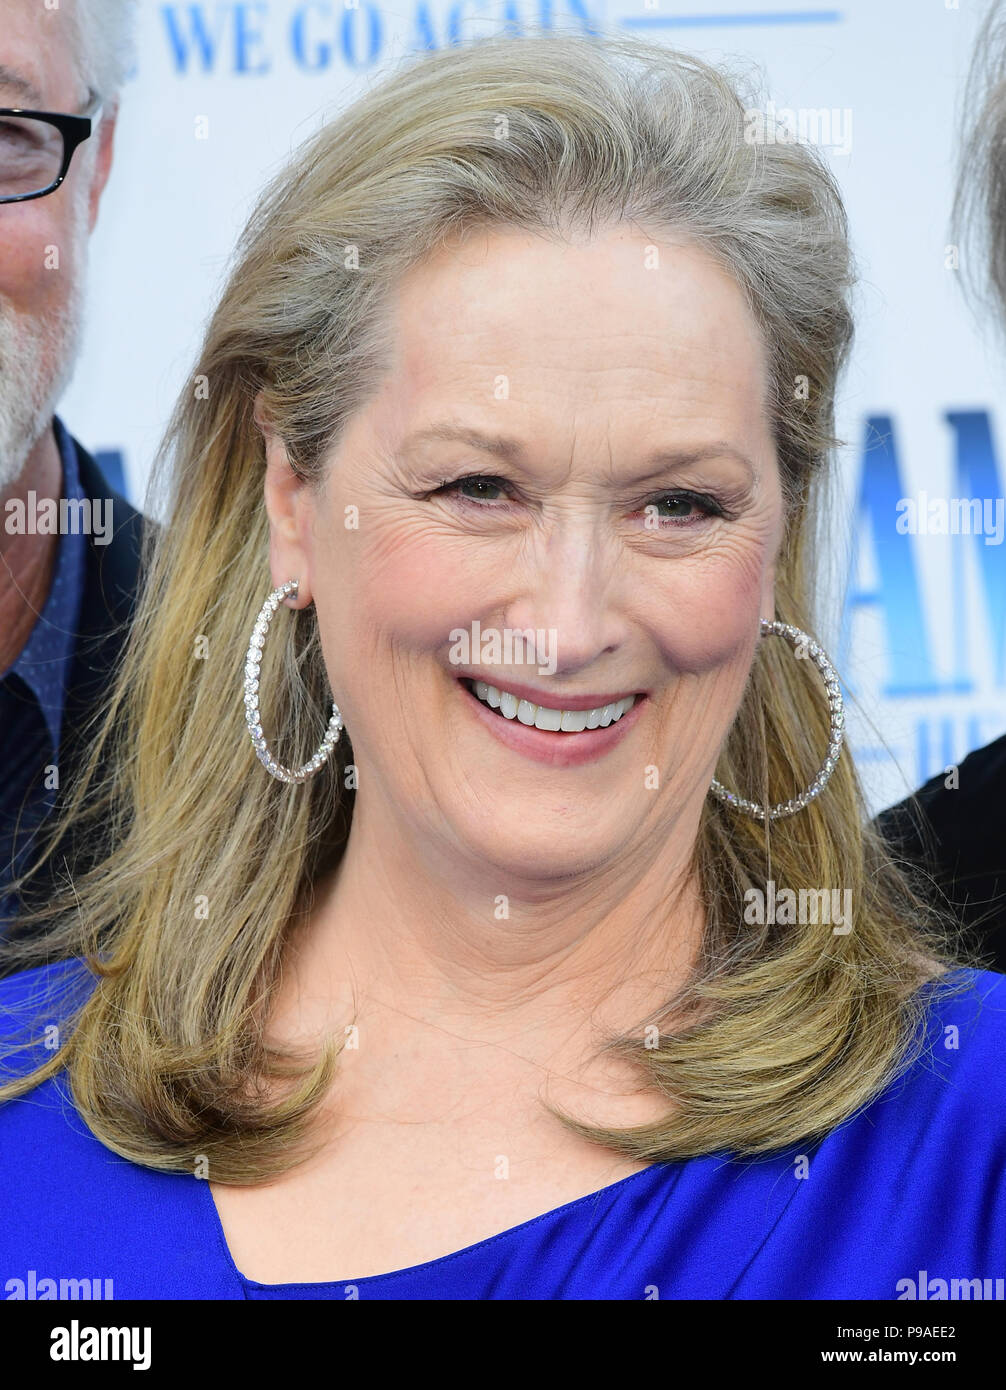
point(104, 39)
point(549, 132)
point(979, 211)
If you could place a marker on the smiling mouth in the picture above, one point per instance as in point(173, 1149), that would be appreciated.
point(547, 718)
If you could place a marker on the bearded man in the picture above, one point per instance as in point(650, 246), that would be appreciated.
point(69, 545)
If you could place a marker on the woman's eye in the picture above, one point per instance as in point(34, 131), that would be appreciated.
point(672, 507)
point(681, 506)
point(482, 488)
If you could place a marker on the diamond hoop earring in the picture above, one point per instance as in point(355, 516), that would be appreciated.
point(836, 707)
point(252, 715)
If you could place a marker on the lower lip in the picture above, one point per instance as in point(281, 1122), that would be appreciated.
point(544, 746)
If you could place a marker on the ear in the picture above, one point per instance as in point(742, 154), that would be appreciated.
point(289, 505)
point(103, 164)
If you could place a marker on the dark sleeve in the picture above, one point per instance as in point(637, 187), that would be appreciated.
point(954, 841)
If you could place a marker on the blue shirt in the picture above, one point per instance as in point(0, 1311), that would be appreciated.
point(905, 1200)
point(33, 691)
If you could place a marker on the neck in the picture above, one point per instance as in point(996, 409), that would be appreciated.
point(26, 561)
point(417, 941)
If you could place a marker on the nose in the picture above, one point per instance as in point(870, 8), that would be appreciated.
point(570, 589)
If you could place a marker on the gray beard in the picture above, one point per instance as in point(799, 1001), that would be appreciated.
point(37, 358)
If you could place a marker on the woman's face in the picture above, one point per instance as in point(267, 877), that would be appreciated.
point(606, 401)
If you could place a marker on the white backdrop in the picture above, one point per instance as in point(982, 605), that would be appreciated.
point(919, 625)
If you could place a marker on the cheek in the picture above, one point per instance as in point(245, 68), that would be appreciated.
point(38, 252)
point(395, 585)
point(707, 611)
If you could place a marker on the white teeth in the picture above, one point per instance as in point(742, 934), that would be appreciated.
point(552, 720)
point(526, 712)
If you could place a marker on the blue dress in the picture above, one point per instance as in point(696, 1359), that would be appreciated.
point(905, 1200)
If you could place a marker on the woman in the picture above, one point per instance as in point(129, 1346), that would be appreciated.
point(498, 1001)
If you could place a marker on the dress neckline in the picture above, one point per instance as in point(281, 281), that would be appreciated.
point(426, 1265)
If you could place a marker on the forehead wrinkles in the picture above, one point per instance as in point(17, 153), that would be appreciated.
point(495, 363)
point(450, 353)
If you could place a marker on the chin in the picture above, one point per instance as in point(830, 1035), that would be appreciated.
point(540, 849)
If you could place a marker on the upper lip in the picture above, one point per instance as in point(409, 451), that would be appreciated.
point(551, 699)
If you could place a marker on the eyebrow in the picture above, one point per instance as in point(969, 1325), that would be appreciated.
point(658, 462)
point(20, 84)
point(497, 444)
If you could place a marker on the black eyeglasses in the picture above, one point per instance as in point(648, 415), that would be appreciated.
point(36, 148)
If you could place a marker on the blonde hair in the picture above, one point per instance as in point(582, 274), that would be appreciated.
point(782, 1032)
